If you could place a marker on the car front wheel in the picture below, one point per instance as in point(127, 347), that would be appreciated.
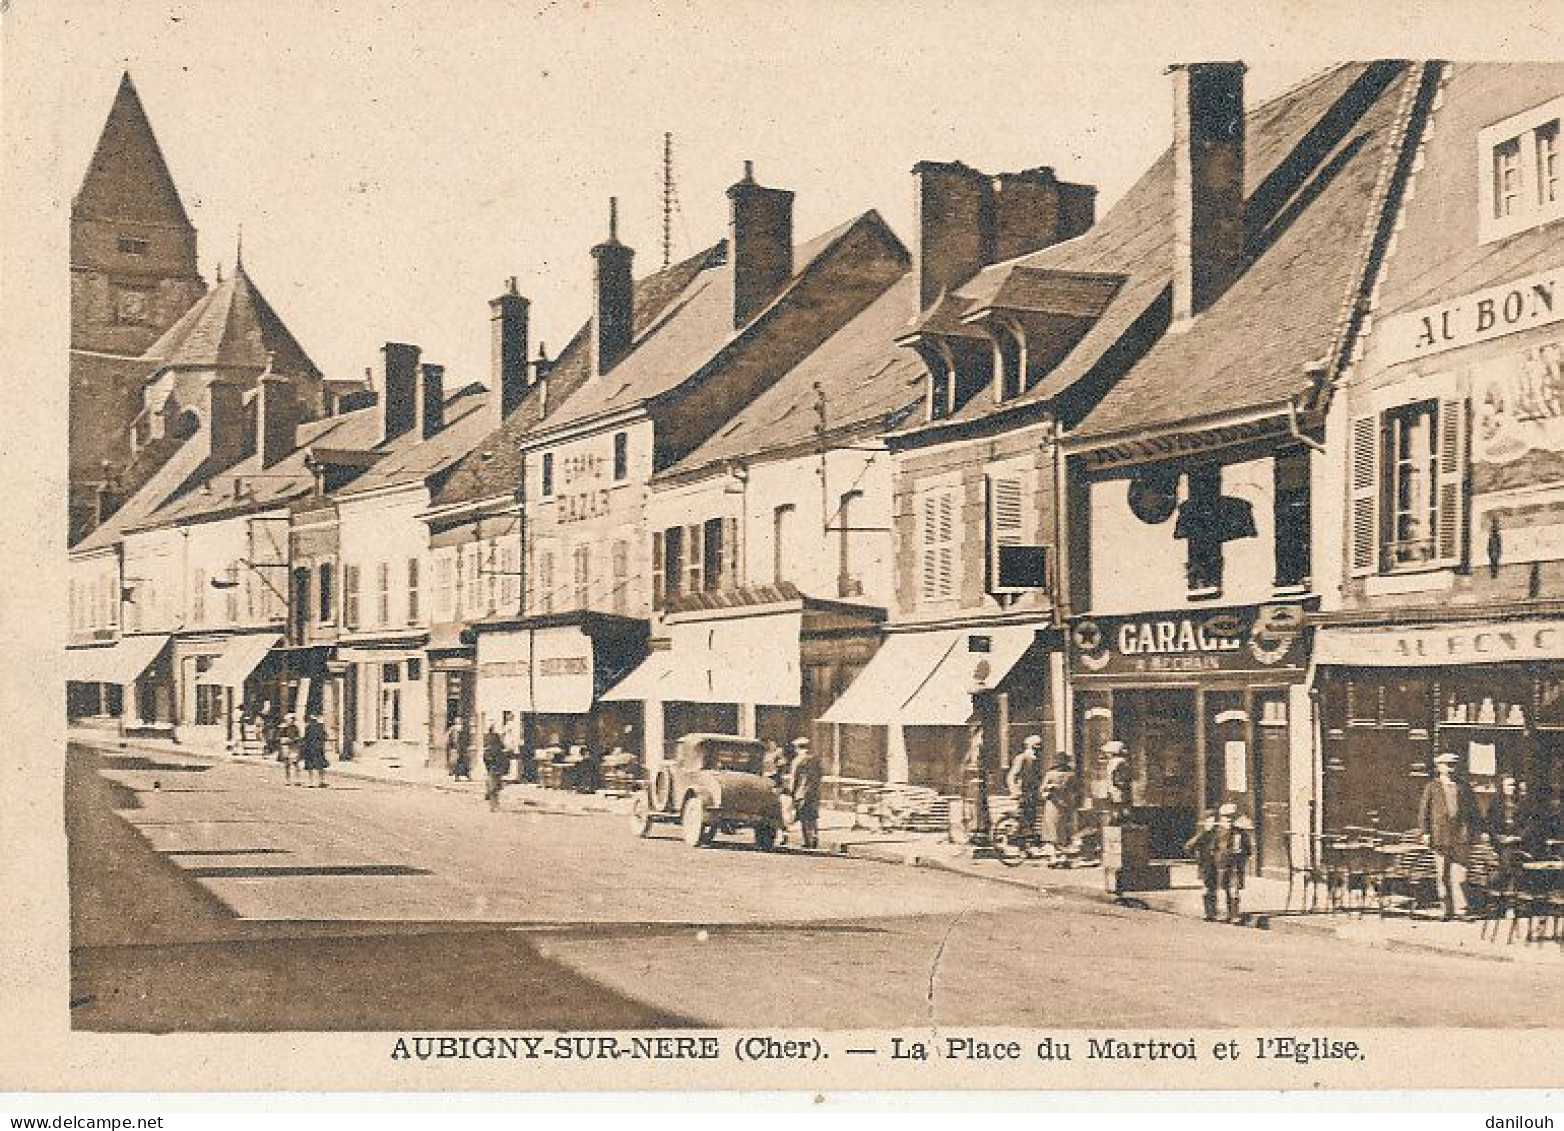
point(693, 822)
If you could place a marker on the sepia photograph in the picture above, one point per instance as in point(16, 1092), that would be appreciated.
point(812, 546)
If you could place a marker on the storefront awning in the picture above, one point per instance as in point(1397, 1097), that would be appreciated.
point(122, 662)
point(650, 681)
point(926, 678)
point(1495, 642)
point(240, 656)
point(544, 671)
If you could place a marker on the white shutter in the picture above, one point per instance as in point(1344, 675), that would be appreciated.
point(1364, 484)
point(659, 578)
point(928, 566)
point(1450, 534)
point(947, 549)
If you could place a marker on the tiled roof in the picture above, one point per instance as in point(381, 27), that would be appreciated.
point(1252, 345)
point(128, 154)
point(694, 329)
point(249, 485)
point(186, 462)
point(232, 326)
point(864, 376)
point(493, 467)
point(409, 458)
point(1439, 255)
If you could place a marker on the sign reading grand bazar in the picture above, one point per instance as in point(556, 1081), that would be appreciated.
point(1137, 534)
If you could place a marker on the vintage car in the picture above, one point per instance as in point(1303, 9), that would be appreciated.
point(713, 783)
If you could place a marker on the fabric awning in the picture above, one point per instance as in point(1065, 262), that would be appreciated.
point(122, 662)
point(1412, 646)
point(649, 681)
point(241, 655)
point(546, 671)
point(926, 678)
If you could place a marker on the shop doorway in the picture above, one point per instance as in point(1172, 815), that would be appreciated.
point(1157, 725)
point(1273, 784)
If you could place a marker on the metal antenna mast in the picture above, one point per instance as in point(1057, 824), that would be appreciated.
point(670, 196)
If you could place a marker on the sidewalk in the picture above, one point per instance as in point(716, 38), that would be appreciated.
point(1265, 899)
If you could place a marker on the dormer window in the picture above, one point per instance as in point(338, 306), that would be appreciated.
point(1518, 173)
point(1009, 361)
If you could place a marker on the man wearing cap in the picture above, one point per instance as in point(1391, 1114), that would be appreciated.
point(1120, 778)
point(804, 785)
point(1448, 816)
point(1025, 782)
point(1222, 845)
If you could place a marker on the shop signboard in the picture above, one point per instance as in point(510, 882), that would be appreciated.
point(547, 670)
point(1235, 639)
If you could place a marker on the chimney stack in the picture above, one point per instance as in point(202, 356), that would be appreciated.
point(967, 220)
point(431, 399)
point(508, 317)
point(227, 423)
point(278, 425)
point(398, 389)
point(1208, 183)
point(613, 297)
point(760, 244)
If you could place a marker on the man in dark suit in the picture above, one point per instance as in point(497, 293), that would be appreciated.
point(1448, 816)
point(804, 784)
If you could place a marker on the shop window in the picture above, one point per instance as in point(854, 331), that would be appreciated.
point(937, 545)
point(546, 487)
point(1408, 483)
point(1291, 497)
point(208, 704)
point(413, 609)
point(1518, 176)
point(621, 456)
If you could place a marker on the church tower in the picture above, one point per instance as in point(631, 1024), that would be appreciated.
point(133, 275)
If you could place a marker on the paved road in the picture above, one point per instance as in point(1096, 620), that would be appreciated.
point(212, 897)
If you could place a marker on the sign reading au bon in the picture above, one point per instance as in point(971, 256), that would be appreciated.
point(1506, 641)
point(1523, 304)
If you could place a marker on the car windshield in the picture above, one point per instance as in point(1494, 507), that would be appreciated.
point(742, 759)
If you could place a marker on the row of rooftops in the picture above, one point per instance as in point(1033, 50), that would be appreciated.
point(1095, 301)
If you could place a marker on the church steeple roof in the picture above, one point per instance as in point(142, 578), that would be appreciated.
point(231, 327)
point(128, 178)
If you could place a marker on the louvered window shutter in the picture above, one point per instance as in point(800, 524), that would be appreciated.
point(1006, 523)
point(1364, 486)
point(947, 556)
point(1450, 536)
point(928, 548)
point(730, 547)
point(659, 578)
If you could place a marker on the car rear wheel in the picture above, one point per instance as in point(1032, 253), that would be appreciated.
point(641, 815)
point(765, 837)
point(693, 822)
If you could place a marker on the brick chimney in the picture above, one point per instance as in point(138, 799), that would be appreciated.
point(1208, 183)
point(1034, 208)
point(398, 389)
point(613, 297)
point(967, 219)
point(227, 423)
point(760, 244)
point(508, 317)
point(278, 423)
point(954, 206)
point(431, 399)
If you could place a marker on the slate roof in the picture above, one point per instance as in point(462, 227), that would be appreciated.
point(866, 378)
point(1313, 159)
point(409, 458)
point(128, 154)
point(692, 331)
point(494, 466)
point(1439, 256)
point(162, 486)
point(231, 326)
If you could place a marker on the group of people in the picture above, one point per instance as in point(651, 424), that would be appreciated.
point(796, 777)
point(302, 753)
point(1046, 801)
